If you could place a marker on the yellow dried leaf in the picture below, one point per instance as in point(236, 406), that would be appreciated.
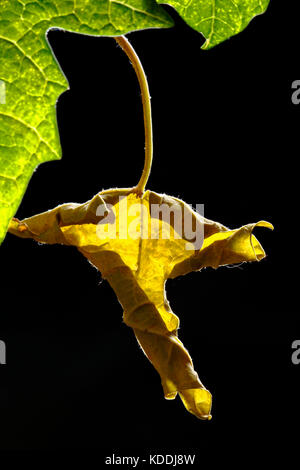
point(137, 248)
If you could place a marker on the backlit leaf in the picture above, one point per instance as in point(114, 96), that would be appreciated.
point(138, 242)
point(31, 80)
point(218, 20)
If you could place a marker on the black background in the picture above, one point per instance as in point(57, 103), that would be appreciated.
point(226, 135)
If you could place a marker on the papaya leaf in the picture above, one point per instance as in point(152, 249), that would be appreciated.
point(137, 246)
point(31, 79)
point(217, 20)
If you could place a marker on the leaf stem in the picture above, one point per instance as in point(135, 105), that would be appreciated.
point(146, 100)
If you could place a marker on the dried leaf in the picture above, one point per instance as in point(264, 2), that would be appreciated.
point(137, 245)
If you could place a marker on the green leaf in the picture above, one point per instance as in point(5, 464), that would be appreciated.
point(31, 80)
point(218, 20)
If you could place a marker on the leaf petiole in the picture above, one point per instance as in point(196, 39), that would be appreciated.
point(146, 100)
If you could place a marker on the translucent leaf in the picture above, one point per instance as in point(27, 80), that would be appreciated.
point(218, 20)
point(138, 244)
point(31, 80)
